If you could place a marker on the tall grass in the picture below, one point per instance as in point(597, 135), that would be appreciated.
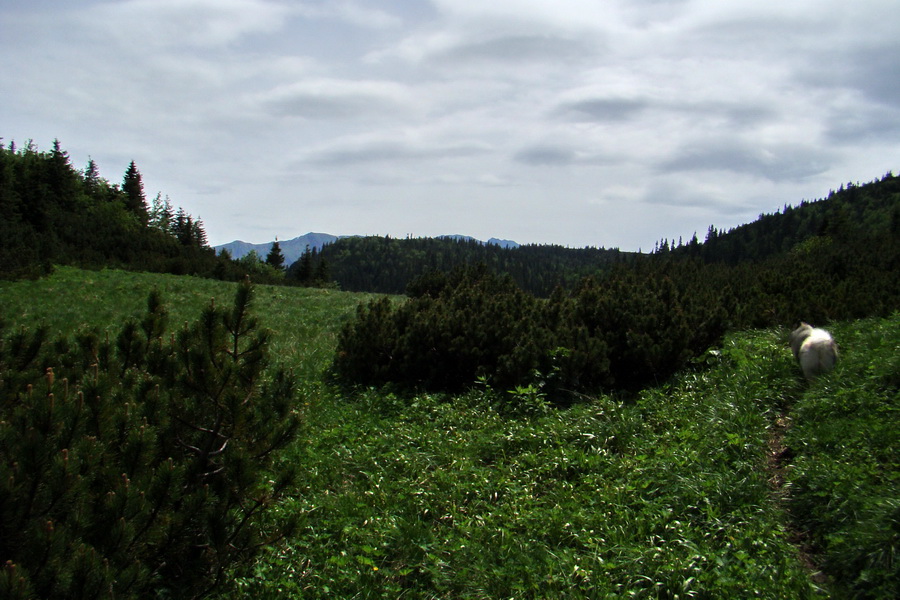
point(846, 479)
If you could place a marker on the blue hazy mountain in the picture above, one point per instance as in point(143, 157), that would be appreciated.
point(294, 248)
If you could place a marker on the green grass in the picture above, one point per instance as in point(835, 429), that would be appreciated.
point(449, 498)
point(665, 495)
point(846, 478)
point(304, 321)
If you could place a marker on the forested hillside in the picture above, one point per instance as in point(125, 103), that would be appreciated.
point(853, 211)
point(387, 265)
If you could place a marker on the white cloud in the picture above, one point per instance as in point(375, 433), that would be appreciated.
point(575, 122)
point(561, 14)
point(773, 162)
point(185, 23)
point(353, 13)
point(381, 148)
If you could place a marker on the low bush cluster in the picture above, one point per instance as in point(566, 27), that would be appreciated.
point(471, 324)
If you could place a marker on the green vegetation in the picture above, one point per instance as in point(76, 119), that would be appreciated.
point(304, 321)
point(387, 265)
point(532, 422)
point(495, 493)
point(455, 497)
point(471, 324)
point(868, 210)
point(144, 464)
point(631, 323)
point(53, 213)
point(846, 473)
point(632, 327)
point(867, 213)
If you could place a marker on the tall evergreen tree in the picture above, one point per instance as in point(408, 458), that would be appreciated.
point(91, 177)
point(60, 176)
point(156, 208)
point(162, 214)
point(167, 217)
point(275, 257)
point(305, 267)
point(133, 186)
point(183, 226)
point(322, 274)
point(198, 233)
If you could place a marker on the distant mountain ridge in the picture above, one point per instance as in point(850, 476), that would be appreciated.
point(491, 242)
point(294, 248)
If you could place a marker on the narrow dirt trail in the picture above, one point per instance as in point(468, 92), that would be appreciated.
point(778, 465)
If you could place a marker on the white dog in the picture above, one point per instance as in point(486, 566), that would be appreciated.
point(814, 349)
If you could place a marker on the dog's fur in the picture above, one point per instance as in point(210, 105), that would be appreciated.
point(814, 349)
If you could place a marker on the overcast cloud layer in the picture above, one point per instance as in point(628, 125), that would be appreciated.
point(577, 122)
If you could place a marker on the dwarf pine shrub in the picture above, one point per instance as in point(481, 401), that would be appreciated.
point(140, 465)
point(625, 332)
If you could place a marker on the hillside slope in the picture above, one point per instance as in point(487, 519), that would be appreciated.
point(853, 211)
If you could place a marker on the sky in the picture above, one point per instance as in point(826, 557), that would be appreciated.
point(607, 123)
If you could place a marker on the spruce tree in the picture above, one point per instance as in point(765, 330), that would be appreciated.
point(167, 216)
point(183, 227)
point(275, 257)
point(133, 186)
point(322, 273)
point(91, 177)
point(304, 268)
point(61, 178)
point(156, 213)
point(198, 234)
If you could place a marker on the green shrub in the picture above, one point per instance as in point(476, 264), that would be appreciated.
point(628, 331)
point(143, 464)
point(477, 324)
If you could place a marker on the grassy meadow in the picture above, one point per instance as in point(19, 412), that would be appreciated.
point(679, 492)
point(304, 321)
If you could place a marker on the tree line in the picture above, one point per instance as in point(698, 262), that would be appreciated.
point(854, 210)
point(382, 264)
point(387, 265)
point(54, 213)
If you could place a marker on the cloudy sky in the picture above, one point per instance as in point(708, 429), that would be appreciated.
point(607, 123)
